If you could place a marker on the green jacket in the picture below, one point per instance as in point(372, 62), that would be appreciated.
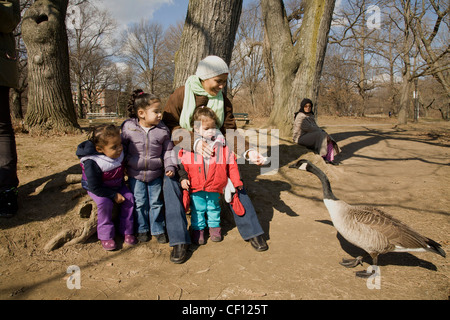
point(9, 19)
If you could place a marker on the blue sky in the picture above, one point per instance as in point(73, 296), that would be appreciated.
point(165, 12)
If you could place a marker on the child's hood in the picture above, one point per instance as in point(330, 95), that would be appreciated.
point(86, 148)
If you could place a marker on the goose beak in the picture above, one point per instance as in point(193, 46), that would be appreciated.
point(301, 165)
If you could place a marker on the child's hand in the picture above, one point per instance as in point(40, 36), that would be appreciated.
point(119, 198)
point(170, 173)
point(185, 184)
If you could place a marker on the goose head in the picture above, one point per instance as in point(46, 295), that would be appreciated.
point(301, 164)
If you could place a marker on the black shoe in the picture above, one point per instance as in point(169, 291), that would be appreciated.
point(259, 243)
point(8, 203)
point(161, 238)
point(179, 253)
point(143, 236)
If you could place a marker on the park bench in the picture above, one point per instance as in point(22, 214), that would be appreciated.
point(242, 117)
point(108, 115)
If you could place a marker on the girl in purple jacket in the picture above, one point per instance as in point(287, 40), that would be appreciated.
point(101, 160)
point(149, 156)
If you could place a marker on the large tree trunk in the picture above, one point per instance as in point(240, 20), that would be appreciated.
point(209, 29)
point(15, 103)
point(50, 104)
point(297, 63)
point(405, 99)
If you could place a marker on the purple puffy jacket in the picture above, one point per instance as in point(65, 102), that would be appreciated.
point(148, 155)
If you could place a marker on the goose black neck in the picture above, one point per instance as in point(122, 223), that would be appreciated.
point(326, 186)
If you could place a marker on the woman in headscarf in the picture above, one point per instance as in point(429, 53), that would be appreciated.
point(307, 133)
point(205, 89)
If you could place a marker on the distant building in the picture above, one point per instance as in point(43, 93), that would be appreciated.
point(102, 101)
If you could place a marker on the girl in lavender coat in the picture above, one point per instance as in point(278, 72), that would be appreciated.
point(149, 156)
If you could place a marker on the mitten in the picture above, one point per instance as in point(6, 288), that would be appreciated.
point(237, 206)
point(186, 201)
point(228, 191)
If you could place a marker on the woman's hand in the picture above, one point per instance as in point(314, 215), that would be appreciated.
point(204, 149)
point(185, 184)
point(256, 157)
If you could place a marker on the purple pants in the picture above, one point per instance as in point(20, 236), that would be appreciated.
point(330, 152)
point(105, 225)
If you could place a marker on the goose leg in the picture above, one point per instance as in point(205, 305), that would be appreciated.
point(351, 263)
point(365, 274)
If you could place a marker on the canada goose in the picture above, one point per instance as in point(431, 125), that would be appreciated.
point(368, 228)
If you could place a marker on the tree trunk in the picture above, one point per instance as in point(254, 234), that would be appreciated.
point(209, 29)
point(297, 63)
point(405, 100)
point(50, 104)
point(16, 105)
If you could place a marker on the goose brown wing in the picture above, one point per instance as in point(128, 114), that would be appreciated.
point(397, 233)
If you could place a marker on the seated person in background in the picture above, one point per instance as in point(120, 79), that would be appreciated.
point(307, 133)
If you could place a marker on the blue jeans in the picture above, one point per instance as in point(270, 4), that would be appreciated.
point(248, 225)
point(148, 205)
point(176, 223)
point(205, 203)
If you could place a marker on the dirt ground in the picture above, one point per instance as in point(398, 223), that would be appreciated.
point(404, 170)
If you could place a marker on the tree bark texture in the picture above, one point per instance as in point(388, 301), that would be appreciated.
point(297, 63)
point(210, 29)
point(50, 104)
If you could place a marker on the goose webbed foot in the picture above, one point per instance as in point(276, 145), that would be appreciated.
point(364, 274)
point(351, 263)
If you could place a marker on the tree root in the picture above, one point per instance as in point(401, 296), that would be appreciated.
point(87, 209)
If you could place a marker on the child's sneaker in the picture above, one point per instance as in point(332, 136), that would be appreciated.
point(198, 236)
point(108, 245)
point(161, 238)
point(143, 237)
point(130, 239)
point(215, 234)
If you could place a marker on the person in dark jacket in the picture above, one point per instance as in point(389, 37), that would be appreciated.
point(101, 160)
point(9, 19)
point(148, 158)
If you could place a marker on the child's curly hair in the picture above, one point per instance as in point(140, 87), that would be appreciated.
point(140, 100)
point(99, 134)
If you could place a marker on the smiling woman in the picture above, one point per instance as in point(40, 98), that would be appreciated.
point(205, 89)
